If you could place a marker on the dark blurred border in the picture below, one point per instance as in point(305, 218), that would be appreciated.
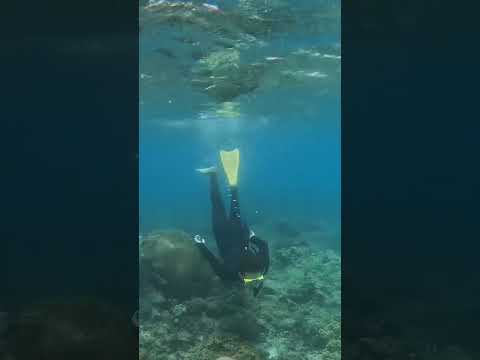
point(69, 170)
point(411, 179)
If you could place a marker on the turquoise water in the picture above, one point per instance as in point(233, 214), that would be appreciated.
point(288, 134)
point(263, 77)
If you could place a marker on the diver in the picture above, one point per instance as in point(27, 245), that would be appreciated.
point(244, 257)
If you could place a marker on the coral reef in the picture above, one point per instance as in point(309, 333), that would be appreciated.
point(286, 233)
point(296, 316)
point(229, 346)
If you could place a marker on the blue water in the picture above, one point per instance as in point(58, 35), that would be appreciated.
point(289, 140)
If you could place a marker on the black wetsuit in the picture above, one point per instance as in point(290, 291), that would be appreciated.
point(241, 252)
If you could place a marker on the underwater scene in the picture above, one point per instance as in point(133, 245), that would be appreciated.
point(240, 180)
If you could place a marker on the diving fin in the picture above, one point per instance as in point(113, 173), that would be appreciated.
point(231, 162)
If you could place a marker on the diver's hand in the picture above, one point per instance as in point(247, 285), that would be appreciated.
point(198, 239)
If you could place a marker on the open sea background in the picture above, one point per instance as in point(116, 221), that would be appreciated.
point(288, 135)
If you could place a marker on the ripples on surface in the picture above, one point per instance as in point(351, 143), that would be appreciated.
point(238, 59)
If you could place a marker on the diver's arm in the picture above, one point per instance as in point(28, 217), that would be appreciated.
point(267, 257)
point(265, 253)
point(267, 266)
point(215, 263)
point(257, 289)
point(263, 250)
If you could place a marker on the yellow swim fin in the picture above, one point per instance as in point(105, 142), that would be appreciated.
point(231, 162)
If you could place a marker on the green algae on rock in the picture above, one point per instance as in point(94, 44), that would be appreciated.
point(171, 264)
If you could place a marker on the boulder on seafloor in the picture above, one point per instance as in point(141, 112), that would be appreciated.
point(171, 263)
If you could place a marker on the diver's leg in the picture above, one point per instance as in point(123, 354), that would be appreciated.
point(220, 221)
point(234, 205)
point(239, 231)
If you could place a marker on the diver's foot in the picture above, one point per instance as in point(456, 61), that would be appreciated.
point(209, 170)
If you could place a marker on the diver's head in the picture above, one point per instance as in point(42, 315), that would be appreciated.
point(253, 263)
point(255, 258)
